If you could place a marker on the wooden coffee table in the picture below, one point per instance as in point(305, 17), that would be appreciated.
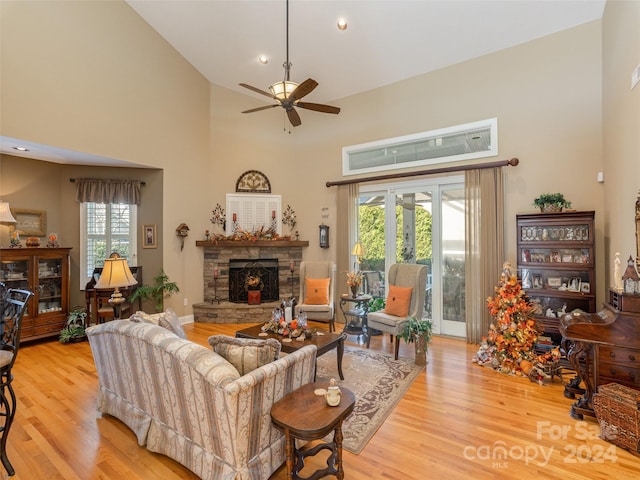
point(325, 342)
point(303, 414)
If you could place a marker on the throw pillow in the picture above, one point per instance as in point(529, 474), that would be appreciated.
point(246, 354)
point(398, 301)
point(145, 317)
point(316, 291)
point(171, 322)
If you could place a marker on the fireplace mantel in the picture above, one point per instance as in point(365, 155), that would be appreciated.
point(252, 243)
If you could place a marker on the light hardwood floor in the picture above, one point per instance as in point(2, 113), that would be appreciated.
point(453, 423)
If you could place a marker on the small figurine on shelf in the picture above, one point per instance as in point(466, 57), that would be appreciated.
point(617, 278)
point(15, 239)
point(53, 240)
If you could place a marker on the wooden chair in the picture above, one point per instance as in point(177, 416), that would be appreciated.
point(401, 275)
point(14, 307)
point(320, 313)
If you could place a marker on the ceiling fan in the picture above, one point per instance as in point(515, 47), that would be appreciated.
point(288, 94)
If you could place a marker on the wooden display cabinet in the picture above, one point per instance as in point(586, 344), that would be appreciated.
point(45, 272)
point(556, 264)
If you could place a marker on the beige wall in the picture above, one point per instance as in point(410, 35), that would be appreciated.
point(130, 96)
point(621, 132)
point(32, 184)
point(546, 95)
point(94, 77)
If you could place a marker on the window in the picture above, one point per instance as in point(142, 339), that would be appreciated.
point(462, 142)
point(106, 228)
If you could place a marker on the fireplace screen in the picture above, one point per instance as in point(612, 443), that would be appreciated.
point(264, 269)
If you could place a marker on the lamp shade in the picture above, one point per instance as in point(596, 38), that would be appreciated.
point(358, 250)
point(5, 213)
point(282, 90)
point(116, 274)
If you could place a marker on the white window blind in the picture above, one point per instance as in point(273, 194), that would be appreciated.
point(254, 211)
point(106, 228)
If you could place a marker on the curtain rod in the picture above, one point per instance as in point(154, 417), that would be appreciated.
point(72, 180)
point(502, 163)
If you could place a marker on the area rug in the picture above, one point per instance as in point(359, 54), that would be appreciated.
point(378, 382)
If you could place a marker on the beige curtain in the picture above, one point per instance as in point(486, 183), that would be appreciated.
point(347, 221)
point(99, 190)
point(484, 192)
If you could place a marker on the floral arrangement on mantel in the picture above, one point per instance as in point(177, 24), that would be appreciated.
point(509, 345)
point(262, 233)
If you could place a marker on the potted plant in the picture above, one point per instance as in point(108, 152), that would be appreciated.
point(74, 330)
point(551, 202)
point(418, 332)
point(157, 292)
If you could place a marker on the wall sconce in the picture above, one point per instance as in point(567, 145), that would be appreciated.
point(324, 236)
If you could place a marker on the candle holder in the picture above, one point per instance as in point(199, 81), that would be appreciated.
point(215, 298)
point(292, 267)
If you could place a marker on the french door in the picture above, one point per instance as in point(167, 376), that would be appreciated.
point(418, 222)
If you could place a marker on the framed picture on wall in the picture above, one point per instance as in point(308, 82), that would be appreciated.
point(149, 236)
point(29, 222)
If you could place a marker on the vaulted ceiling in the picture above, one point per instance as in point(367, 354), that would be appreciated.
point(385, 41)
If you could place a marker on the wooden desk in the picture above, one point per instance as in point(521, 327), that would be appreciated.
point(98, 308)
point(603, 348)
point(303, 414)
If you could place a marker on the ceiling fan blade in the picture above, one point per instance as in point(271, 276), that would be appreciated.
point(318, 107)
point(260, 108)
point(257, 90)
point(294, 118)
point(305, 88)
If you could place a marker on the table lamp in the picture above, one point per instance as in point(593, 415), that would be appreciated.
point(5, 215)
point(358, 251)
point(116, 274)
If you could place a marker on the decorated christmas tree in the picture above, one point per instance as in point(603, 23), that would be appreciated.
point(509, 345)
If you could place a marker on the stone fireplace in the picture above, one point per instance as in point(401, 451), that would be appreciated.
point(223, 258)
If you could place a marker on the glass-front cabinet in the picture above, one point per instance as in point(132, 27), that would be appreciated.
point(556, 264)
point(45, 272)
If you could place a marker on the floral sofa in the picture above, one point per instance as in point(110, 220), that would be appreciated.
point(187, 402)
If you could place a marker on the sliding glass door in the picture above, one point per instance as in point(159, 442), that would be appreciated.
point(418, 222)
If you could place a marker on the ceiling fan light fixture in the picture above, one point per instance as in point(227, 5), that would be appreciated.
point(282, 90)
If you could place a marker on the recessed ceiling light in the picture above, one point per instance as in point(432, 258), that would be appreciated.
point(342, 24)
point(263, 59)
point(21, 149)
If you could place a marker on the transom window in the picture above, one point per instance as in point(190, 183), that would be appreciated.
point(461, 142)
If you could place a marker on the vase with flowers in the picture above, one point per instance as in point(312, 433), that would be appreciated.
point(253, 286)
point(290, 328)
point(354, 280)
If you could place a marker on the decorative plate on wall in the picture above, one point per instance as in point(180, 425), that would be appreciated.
point(253, 181)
